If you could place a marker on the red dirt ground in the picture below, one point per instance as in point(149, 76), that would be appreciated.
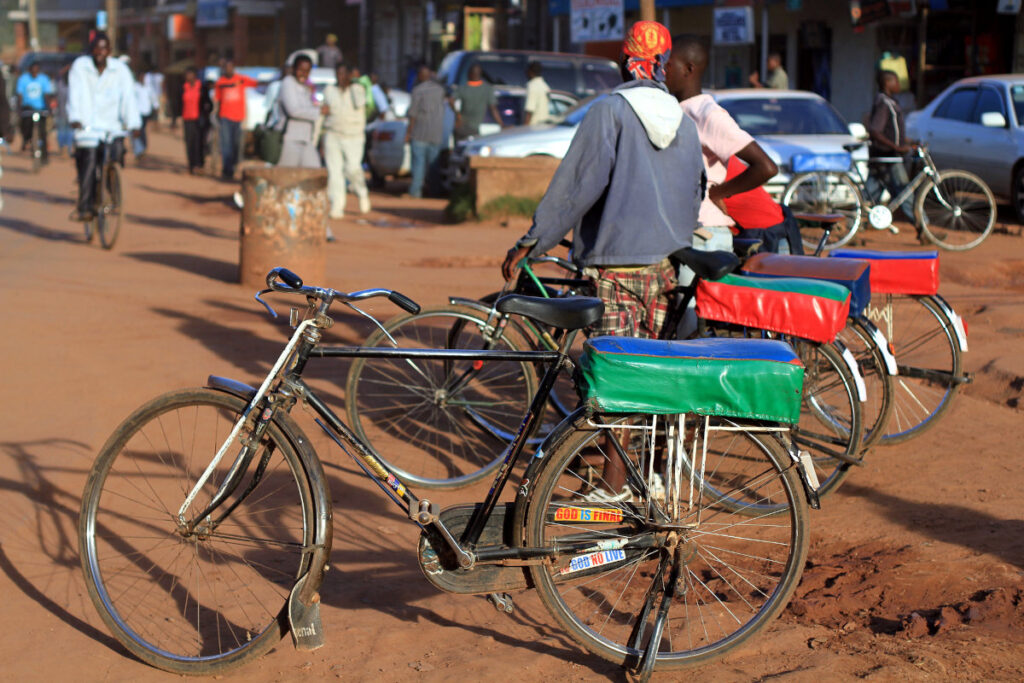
point(916, 568)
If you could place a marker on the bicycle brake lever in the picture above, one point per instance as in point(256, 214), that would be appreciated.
point(258, 296)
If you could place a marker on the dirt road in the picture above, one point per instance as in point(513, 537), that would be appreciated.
point(916, 569)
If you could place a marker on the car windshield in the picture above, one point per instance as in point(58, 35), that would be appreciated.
point(1017, 97)
point(785, 116)
point(576, 114)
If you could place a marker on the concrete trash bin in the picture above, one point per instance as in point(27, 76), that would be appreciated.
point(284, 223)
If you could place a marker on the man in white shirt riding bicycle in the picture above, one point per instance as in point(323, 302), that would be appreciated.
point(101, 109)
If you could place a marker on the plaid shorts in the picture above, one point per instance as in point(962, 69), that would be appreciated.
point(635, 301)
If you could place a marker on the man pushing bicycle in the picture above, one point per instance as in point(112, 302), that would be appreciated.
point(629, 188)
point(101, 107)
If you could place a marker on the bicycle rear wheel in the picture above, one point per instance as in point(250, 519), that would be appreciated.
point(957, 211)
point(108, 214)
point(732, 556)
point(928, 359)
point(201, 602)
point(877, 409)
point(824, 192)
point(439, 423)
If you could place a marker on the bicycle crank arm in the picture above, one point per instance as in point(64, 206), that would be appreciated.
point(937, 376)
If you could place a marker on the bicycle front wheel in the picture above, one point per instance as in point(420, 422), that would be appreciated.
point(824, 192)
point(731, 555)
point(957, 211)
point(108, 214)
point(439, 423)
point(208, 600)
point(928, 359)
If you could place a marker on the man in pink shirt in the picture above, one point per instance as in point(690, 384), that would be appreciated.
point(720, 137)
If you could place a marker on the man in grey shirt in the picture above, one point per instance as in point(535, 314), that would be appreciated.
point(301, 114)
point(425, 132)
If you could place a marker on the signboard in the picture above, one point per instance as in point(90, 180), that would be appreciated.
point(212, 13)
point(734, 25)
point(1008, 7)
point(180, 27)
point(866, 11)
point(593, 20)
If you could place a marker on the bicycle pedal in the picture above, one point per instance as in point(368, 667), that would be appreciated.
point(502, 602)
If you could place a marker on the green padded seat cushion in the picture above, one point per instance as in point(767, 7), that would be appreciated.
point(744, 378)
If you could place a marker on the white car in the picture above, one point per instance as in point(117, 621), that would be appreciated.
point(787, 124)
point(977, 125)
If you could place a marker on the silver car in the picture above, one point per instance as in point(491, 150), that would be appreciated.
point(977, 125)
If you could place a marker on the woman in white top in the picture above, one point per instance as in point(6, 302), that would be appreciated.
point(301, 113)
point(344, 141)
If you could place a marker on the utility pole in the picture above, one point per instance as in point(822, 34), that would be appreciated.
point(33, 26)
point(112, 24)
point(647, 10)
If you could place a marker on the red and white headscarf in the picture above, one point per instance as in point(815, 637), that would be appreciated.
point(646, 50)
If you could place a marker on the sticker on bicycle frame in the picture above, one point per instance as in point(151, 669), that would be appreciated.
point(594, 560)
point(396, 485)
point(374, 465)
point(566, 514)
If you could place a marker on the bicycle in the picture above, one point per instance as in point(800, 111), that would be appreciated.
point(954, 209)
point(37, 145)
point(107, 202)
point(206, 519)
point(391, 405)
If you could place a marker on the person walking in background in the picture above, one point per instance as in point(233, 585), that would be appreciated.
point(329, 54)
point(144, 103)
point(65, 140)
point(366, 82)
point(425, 131)
point(5, 119)
point(538, 96)
point(195, 113)
point(154, 82)
point(229, 94)
point(888, 132)
point(301, 113)
point(344, 139)
point(474, 99)
point(379, 92)
point(34, 90)
point(778, 79)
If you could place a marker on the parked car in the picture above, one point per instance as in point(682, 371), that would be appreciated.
point(389, 155)
point(783, 122)
point(580, 75)
point(50, 63)
point(977, 125)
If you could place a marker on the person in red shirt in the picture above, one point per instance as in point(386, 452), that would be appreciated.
point(195, 112)
point(758, 216)
point(229, 93)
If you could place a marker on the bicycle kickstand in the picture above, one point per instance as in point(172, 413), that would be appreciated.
point(668, 592)
point(502, 602)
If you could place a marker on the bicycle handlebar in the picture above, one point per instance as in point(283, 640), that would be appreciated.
point(285, 281)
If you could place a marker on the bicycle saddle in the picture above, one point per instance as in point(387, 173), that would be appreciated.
point(570, 313)
point(709, 265)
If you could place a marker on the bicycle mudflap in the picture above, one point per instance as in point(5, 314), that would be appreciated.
point(441, 567)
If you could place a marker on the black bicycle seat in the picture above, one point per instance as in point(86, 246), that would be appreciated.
point(709, 265)
point(569, 313)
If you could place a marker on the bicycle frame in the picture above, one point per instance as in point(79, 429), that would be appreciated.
point(290, 387)
point(928, 171)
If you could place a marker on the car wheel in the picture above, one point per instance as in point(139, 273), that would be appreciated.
point(1017, 192)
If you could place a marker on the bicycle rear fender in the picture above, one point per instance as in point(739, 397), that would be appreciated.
point(882, 343)
point(958, 323)
point(304, 600)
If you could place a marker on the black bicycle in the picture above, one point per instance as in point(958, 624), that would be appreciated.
point(106, 211)
point(37, 143)
point(206, 529)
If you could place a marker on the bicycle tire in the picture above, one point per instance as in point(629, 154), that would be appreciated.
point(921, 337)
point(432, 432)
point(37, 147)
point(108, 213)
point(602, 606)
point(220, 599)
point(966, 209)
point(877, 409)
point(825, 192)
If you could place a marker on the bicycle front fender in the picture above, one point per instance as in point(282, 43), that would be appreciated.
point(304, 601)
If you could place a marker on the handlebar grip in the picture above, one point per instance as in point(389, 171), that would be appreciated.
point(565, 243)
point(404, 302)
point(288, 277)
